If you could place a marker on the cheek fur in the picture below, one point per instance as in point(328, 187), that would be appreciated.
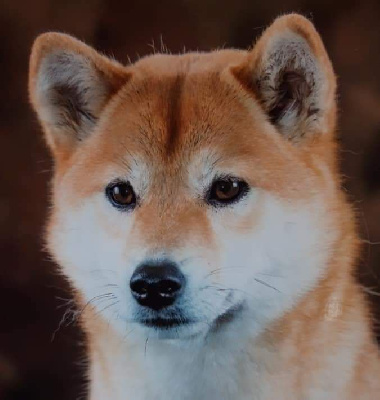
point(91, 243)
point(279, 258)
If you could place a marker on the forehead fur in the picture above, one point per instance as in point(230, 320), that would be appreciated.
point(177, 101)
point(175, 108)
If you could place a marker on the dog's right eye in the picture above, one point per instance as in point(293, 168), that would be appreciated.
point(121, 195)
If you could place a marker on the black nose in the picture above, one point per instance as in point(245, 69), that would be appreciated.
point(157, 285)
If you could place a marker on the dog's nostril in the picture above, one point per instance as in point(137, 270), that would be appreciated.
point(157, 285)
point(168, 287)
point(139, 287)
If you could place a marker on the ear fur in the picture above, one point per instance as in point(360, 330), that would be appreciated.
point(69, 85)
point(291, 75)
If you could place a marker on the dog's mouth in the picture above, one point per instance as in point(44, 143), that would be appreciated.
point(174, 322)
point(165, 323)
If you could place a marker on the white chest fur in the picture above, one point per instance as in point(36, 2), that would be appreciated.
point(224, 367)
point(165, 370)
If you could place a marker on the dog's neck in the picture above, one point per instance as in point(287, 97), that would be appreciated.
point(217, 366)
point(315, 347)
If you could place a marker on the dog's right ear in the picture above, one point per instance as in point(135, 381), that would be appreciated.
point(69, 85)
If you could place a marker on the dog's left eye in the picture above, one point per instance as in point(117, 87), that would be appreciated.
point(121, 195)
point(226, 191)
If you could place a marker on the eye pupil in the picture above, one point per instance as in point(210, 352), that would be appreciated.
point(226, 188)
point(121, 195)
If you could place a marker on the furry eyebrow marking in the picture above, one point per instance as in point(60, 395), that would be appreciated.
point(202, 168)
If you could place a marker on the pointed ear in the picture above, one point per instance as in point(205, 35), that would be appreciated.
point(69, 85)
point(290, 73)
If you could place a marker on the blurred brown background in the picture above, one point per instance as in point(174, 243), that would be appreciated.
point(32, 366)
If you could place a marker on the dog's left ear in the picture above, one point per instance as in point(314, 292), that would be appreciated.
point(290, 73)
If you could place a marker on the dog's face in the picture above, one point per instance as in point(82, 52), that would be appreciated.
point(191, 191)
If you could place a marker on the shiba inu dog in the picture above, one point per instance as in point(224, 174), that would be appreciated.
point(198, 214)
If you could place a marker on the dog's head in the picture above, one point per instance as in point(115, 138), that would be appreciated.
point(191, 190)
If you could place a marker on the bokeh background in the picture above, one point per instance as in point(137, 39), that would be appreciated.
point(32, 295)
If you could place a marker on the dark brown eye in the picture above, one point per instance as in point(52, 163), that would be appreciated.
point(227, 191)
point(121, 195)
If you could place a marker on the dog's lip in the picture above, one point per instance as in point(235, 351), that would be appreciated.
point(165, 323)
point(176, 321)
point(227, 316)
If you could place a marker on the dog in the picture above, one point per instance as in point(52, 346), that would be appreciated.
point(198, 214)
